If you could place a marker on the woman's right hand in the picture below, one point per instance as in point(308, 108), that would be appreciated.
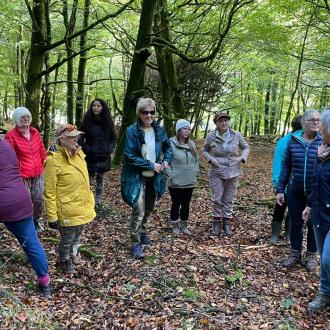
point(158, 167)
point(307, 213)
point(214, 162)
point(280, 200)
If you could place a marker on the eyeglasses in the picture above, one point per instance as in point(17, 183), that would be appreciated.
point(313, 120)
point(146, 113)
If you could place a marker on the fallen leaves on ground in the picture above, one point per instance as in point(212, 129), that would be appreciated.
point(200, 282)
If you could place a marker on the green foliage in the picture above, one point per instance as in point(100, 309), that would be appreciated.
point(236, 277)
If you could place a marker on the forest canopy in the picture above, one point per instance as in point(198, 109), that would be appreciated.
point(263, 61)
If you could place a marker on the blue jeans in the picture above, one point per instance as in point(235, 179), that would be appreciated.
point(323, 245)
point(296, 205)
point(27, 237)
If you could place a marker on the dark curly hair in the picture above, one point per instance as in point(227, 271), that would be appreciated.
point(104, 118)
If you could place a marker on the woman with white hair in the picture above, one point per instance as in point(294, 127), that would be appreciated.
point(147, 152)
point(31, 155)
point(297, 177)
point(318, 209)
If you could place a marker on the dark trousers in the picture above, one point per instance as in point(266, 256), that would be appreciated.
point(279, 212)
point(180, 203)
point(69, 242)
point(296, 205)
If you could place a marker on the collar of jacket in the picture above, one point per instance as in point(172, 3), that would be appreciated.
point(155, 126)
point(31, 129)
point(177, 144)
point(219, 136)
point(66, 154)
point(298, 137)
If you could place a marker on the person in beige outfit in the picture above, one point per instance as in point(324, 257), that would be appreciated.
point(225, 150)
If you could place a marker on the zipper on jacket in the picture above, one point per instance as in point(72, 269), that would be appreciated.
point(305, 167)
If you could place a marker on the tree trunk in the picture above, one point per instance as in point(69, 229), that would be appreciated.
point(267, 109)
point(301, 59)
point(135, 86)
point(46, 105)
point(80, 97)
point(70, 25)
point(36, 60)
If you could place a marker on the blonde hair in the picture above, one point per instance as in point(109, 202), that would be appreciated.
point(144, 103)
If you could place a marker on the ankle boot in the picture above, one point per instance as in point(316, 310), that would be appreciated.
point(66, 266)
point(276, 229)
point(216, 227)
point(176, 227)
point(293, 259)
point(184, 227)
point(226, 228)
point(320, 302)
point(287, 229)
point(311, 261)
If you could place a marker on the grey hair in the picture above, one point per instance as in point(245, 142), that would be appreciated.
point(19, 113)
point(325, 120)
point(306, 115)
point(144, 103)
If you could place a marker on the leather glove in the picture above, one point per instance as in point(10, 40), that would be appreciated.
point(54, 225)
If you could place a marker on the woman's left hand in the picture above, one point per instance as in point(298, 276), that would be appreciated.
point(306, 215)
point(165, 164)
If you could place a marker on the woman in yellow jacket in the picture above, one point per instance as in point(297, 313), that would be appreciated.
point(69, 200)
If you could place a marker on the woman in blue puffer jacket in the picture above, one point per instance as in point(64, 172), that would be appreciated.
point(318, 209)
point(297, 176)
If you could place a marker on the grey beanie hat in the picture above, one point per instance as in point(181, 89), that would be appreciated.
point(180, 124)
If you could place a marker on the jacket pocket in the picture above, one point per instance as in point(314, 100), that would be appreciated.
point(72, 204)
point(183, 176)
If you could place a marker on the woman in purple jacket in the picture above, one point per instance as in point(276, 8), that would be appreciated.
point(16, 213)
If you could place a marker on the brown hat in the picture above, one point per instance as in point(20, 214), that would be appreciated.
point(220, 115)
point(67, 130)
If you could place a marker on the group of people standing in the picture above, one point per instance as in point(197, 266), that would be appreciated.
point(153, 163)
point(301, 182)
point(34, 183)
point(151, 159)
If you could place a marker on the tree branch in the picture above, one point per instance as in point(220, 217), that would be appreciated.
point(91, 26)
point(58, 64)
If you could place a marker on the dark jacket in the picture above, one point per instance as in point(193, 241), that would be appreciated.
point(134, 163)
point(298, 165)
point(15, 200)
point(98, 145)
point(319, 200)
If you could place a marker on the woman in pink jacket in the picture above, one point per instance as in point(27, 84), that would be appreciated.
point(31, 155)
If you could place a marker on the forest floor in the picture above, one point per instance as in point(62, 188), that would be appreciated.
point(200, 282)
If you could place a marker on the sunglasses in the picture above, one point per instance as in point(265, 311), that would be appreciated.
point(146, 113)
point(68, 128)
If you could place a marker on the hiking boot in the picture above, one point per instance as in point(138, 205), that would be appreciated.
point(45, 290)
point(66, 266)
point(145, 240)
point(276, 229)
point(216, 227)
point(319, 303)
point(311, 261)
point(176, 227)
point(184, 227)
point(226, 228)
point(293, 259)
point(137, 252)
